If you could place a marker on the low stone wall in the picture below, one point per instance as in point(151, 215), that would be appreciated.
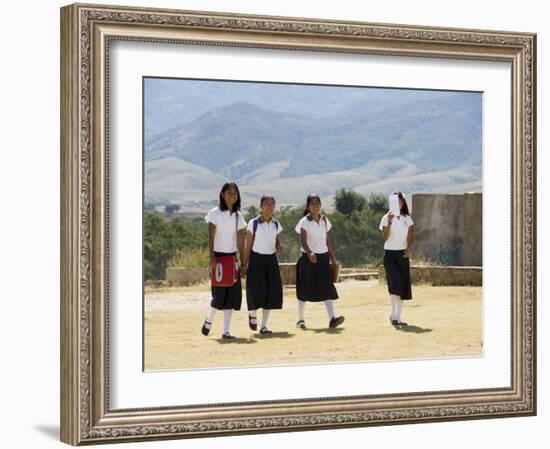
point(442, 275)
point(189, 276)
point(186, 276)
point(288, 273)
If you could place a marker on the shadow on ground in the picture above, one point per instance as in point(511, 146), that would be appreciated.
point(237, 341)
point(413, 329)
point(274, 335)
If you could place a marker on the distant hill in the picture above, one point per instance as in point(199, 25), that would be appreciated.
point(411, 140)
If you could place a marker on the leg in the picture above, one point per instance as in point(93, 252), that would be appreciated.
point(330, 308)
point(227, 313)
point(301, 309)
point(208, 321)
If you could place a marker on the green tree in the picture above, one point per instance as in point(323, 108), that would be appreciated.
point(347, 201)
point(378, 202)
point(251, 212)
point(164, 238)
point(171, 208)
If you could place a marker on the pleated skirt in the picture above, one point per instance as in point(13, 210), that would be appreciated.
point(313, 280)
point(398, 273)
point(264, 288)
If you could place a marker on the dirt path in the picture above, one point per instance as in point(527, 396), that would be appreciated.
point(176, 299)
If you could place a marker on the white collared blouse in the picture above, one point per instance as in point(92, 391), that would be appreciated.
point(225, 239)
point(316, 233)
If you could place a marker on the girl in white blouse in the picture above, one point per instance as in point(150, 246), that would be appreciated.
point(398, 232)
point(313, 277)
point(224, 238)
point(264, 288)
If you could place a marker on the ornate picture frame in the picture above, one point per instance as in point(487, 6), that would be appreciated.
point(87, 32)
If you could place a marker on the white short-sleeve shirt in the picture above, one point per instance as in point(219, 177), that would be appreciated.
point(316, 233)
point(398, 232)
point(225, 239)
point(265, 240)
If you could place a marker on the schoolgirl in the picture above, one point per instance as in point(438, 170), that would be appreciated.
point(398, 234)
point(224, 237)
point(313, 278)
point(264, 288)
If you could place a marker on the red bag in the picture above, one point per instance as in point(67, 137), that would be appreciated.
point(226, 272)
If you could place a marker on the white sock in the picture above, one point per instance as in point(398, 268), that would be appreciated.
point(301, 309)
point(394, 304)
point(265, 316)
point(399, 308)
point(226, 320)
point(253, 315)
point(210, 317)
point(330, 308)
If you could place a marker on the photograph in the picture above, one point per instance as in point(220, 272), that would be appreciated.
point(275, 223)
point(295, 224)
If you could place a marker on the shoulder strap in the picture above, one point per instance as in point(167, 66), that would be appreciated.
point(255, 226)
point(326, 223)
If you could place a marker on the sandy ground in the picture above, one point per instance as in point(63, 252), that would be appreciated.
point(443, 322)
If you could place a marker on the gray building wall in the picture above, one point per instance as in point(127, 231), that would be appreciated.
point(447, 228)
point(473, 229)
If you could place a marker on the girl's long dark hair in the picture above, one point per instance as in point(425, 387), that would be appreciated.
point(222, 204)
point(310, 198)
point(405, 208)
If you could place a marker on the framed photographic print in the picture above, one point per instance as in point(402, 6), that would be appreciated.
point(230, 263)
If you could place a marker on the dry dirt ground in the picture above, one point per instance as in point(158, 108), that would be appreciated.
point(443, 322)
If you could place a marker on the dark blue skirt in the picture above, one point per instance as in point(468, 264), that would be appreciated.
point(313, 280)
point(398, 273)
point(264, 288)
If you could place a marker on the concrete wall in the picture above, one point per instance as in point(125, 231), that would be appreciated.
point(448, 228)
point(473, 229)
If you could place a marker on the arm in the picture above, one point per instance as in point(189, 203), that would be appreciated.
point(278, 247)
point(387, 229)
point(240, 245)
point(211, 235)
point(410, 236)
point(248, 249)
point(303, 240)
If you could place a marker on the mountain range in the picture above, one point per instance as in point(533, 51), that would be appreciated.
point(371, 140)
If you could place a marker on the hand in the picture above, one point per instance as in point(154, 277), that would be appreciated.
point(243, 271)
point(333, 260)
point(212, 263)
point(390, 218)
point(312, 258)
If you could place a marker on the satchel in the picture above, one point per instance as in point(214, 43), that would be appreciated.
point(226, 272)
point(334, 271)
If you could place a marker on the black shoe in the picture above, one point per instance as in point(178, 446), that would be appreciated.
point(265, 330)
point(301, 324)
point(336, 321)
point(394, 322)
point(252, 325)
point(401, 323)
point(228, 336)
point(205, 330)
